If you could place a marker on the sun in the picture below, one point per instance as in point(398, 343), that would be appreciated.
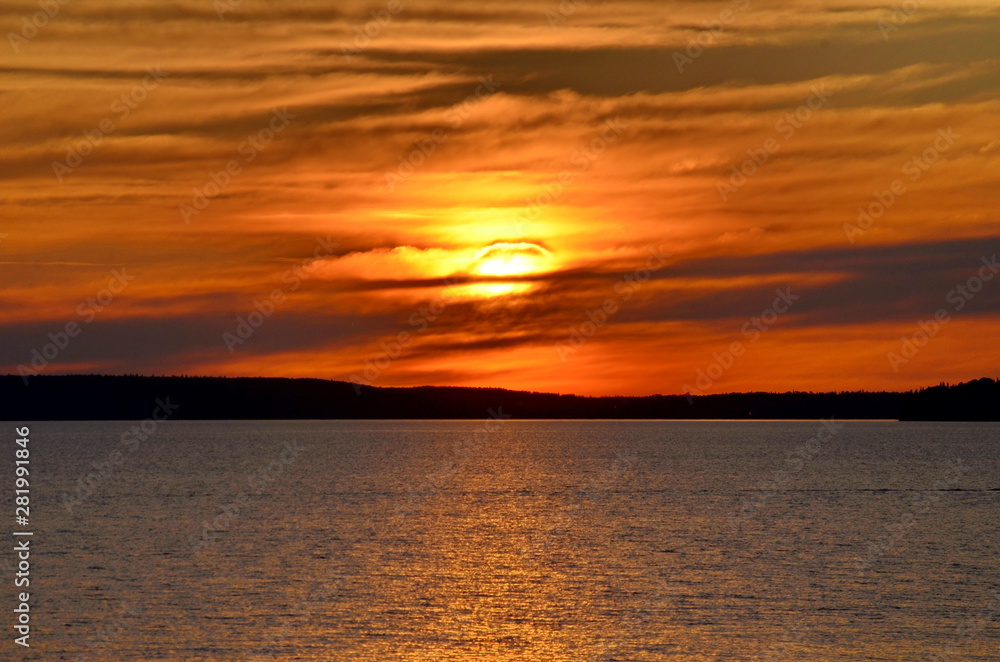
point(502, 260)
point(511, 259)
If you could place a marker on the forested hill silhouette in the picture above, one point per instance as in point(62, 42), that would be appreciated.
point(93, 397)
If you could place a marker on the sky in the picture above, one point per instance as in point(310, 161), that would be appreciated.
point(585, 197)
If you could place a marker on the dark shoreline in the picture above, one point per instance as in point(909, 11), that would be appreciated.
point(94, 397)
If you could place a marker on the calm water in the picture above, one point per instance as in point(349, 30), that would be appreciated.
point(527, 541)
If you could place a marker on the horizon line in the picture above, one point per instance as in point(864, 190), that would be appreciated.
point(512, 390)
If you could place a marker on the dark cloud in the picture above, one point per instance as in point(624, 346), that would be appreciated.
point(616, 71)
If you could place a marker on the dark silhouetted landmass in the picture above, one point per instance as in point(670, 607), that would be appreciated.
point(92, 397)
point(977, 400)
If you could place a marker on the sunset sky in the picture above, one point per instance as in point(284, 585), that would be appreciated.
point(531, 195)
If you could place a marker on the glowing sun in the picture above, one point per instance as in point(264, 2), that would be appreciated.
point(511, 259)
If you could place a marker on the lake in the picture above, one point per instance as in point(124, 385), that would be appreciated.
point(500, 540)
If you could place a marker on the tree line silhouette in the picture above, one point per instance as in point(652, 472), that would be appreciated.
point(133, 397)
